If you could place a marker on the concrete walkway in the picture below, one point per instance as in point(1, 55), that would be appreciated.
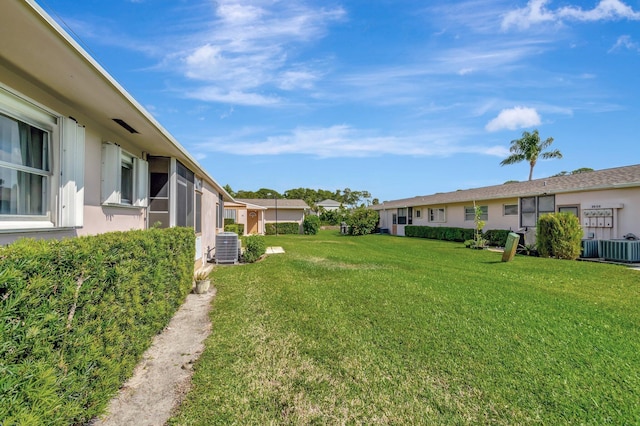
point(163, 377)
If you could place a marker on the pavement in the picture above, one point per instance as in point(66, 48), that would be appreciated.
point(274, 250)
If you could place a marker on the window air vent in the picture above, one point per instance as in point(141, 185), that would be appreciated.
point(125, 125)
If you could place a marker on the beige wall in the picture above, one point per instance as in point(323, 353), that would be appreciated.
point(284, 215)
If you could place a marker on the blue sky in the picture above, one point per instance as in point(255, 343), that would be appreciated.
point(396, 97)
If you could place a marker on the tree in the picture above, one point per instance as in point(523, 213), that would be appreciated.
point(230, 191)
point(529, 148)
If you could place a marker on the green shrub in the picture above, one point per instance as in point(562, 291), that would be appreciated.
point(559, 235)
point(311, 225)
point(333, 217)
point(362, 221)
point(283, 228)
point(497, 237)
point(76, 316)
point(255, 247)
point(444, 233)
point(228, 221)
point(238, 228)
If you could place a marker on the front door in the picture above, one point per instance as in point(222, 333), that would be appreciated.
point(252, 222)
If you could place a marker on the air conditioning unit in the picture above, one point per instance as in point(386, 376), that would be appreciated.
point(227, 245)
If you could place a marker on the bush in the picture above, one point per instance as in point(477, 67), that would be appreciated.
point(238, 228)
point(444, 233)
point(283, 228)
point(255, 247)
point(311, 225)
point(559, 235)
point(333, 217)
point(228, 221)
point(362, 221)
point(497, 237)
point(76, 316)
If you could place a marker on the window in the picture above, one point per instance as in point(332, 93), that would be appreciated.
point(532, 207)
point(437, 215)
point(220, 212)
point(418, 212)
point(25, 169)
point(124, 177)
point(185, 196)
point(510, 209)
point(230, 214)
point(198, 224)
point(394, 218)
point(569, 209)
point(41, 166)
point(402, 216)
point(470, 213)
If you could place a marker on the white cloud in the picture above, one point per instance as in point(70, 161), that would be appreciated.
point(536, 12)
point(236, 97)
point(605, 10)
point(514, 118)
point(625, 42)
point(345, 141)
point(248, 48)
point(533, 13)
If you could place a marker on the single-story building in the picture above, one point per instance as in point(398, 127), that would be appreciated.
point(328, 205)
point(251, 216)
point(606, 201)
point(78, 154)
point(257, 212)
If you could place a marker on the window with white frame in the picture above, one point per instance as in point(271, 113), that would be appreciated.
point(124, 177)
point(470, 213)
point(510, 209)
point(41, 166)
point(437, 215)
point(25, 169)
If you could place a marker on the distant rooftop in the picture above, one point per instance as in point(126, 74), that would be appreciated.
point(619, 177)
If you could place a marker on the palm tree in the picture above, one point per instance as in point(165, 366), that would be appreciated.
point(529, 148)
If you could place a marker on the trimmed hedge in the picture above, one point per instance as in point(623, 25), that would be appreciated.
point(283, 228)
point(238, 228)
point(497, 237)
point(439, 233)
point(76, 316)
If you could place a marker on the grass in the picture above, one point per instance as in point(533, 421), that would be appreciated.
point(387, 330)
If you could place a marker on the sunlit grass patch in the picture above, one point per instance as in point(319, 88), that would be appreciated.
point(387, 330)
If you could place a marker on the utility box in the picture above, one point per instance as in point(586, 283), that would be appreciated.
point(510, 247)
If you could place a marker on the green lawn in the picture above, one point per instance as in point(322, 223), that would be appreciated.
point(386, 330)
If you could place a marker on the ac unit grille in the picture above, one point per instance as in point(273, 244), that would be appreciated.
point(620, 250)
point(227, 245)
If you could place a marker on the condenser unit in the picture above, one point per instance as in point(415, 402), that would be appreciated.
point(227, 245)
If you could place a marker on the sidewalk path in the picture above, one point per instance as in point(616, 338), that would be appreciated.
point(163, 377)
